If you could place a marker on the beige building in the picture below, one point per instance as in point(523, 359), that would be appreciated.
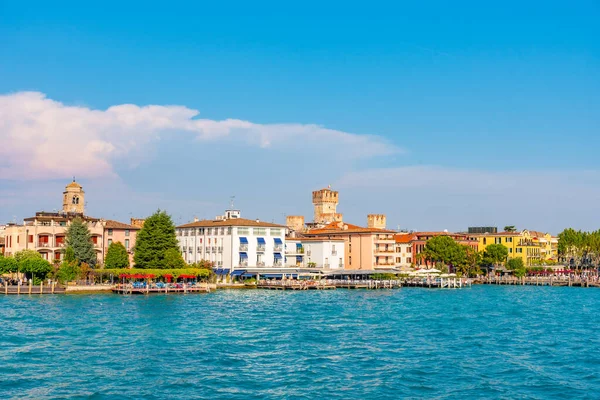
point(46, 231)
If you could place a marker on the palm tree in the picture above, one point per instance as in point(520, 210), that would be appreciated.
point(510, 228)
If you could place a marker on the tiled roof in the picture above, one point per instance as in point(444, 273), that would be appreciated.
point(315, 239)
point(110, 224)
point(334, 228)
point(404, 238)
point(230, 222)
point(74, 185)
point(495, 234)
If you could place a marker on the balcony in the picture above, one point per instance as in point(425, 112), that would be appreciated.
point(277, 264)
point(260, 264)
point(43, 244)
point(220, 249)
point(184, 249)
point(326, 266)
point(60, 244)
point(308, 253)
point(199, 249)
point(213, 249)
point(243, 264)
point(277, 249)
point(243, 247)
point(260, 248)
point(334, 252)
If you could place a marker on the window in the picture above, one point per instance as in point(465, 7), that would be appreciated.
point(509, 240)
point(127, 244)
point(510, 249)
point(349, 260)
point(222, 231)
point(243, 231)
point(275, 232)
point(109, 242)
point(409, 249)
point(126, 232)
point(409, 260)
point(484, 241)
point(110, 232)
point(498, 240)
point(30, 239)
point(259, 231)
point(350, 248)
point(229, 231)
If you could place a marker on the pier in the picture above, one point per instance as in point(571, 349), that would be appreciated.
point(130, 289)
point(53, 288)
point(540, 281)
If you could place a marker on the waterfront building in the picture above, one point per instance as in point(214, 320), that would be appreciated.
point(531, 246)
point(404, 247)
point(232, 242)
point(365, 248)
point(315, 252)
point(420, 240)
point(126, 234)
point(46, 231)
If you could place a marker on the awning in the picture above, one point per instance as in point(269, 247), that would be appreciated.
point(278, 241)
point(271, 275)
point(222, 271)
point(238, 272)
point(243, 255)
point(298, 258)
point(243, 240)
point(277, 256)
point(248, 275)
point(261, 241)
point(298, 245)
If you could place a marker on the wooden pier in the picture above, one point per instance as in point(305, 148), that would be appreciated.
point(540, 281)
point(293, 285)
point(129, 289)
point(42, 289)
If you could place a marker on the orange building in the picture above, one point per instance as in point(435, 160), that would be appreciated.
point(115, 231)
point(365, 248)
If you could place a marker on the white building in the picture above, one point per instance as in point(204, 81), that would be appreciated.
point(232, 242)
point(321, 253)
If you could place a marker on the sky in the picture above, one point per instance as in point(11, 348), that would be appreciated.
point(441, 115)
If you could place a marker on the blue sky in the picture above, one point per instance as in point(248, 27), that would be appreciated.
point(440, 115)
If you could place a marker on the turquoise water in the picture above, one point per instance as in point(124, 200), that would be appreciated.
point(483, 342)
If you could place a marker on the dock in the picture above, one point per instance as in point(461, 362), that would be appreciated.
point(294, 285)
point(129, 289)
point(42, 289)
point(539, 281)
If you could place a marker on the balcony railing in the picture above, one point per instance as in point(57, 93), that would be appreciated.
point(243, 247)
point(334, 252)
point(260, 264)
point(326, 266)
point(61, 244)
point(213, 249)
point(277, 264)
point(277, 248)
point(260, 248)
point(244, 264)
point(199, 249)
point(43, 244)
point(220, 249)
point(308, 253)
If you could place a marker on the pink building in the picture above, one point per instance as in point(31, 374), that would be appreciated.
point(115, 231)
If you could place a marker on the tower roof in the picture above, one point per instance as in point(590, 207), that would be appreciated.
point(74, 185)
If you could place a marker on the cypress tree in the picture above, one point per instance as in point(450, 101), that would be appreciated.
point(116, 256)
point(153, 240)
point(79, 239)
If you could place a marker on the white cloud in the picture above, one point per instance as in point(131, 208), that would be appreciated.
point(42, 138)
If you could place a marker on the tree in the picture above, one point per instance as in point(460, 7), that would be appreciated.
point(116, 256)
point(472, 260)
point(153, 240)
point(510, 228)
point(444, 249)
point(68, 271)
point(173, 259)
point(79, 239)
point(23, 255)
point(495, 254)
point(8, 264)
point(37, 268)
point(517, 266)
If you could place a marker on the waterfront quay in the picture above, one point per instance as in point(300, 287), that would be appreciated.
point(577, 281)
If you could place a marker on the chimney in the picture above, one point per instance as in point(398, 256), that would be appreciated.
point(195, 219)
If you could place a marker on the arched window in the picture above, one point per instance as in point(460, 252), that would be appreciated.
point(75, 200)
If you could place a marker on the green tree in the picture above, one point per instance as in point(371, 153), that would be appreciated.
point(116, 256)
point(68, 271)
point(173, 259)
point(69, 254)
point(471, 263)
point(8, 265)
point(27, 255)
point(510, 228)
point(517, 266)
point(445, 250)
point(495, 254)
point(79, 239)
point(35, 268)
point(153, 240)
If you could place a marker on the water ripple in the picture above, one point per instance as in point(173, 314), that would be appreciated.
point(484, 342)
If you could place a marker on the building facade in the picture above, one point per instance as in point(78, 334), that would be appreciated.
point(420, 239)
point(532, 247)
point(232, 242)
point(404, 250)
point(316, 252)
point(126, 234)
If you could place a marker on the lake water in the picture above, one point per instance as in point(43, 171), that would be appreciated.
point(482, 342)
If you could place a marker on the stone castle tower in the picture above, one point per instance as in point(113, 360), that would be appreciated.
point(325, 202)
point(74, 198)
point(376, 221)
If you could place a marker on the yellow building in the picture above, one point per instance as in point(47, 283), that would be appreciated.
point(532, 246)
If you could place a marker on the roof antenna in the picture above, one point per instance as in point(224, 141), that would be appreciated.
point(231, 201)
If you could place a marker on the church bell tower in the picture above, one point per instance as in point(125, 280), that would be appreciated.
point(73, 198)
